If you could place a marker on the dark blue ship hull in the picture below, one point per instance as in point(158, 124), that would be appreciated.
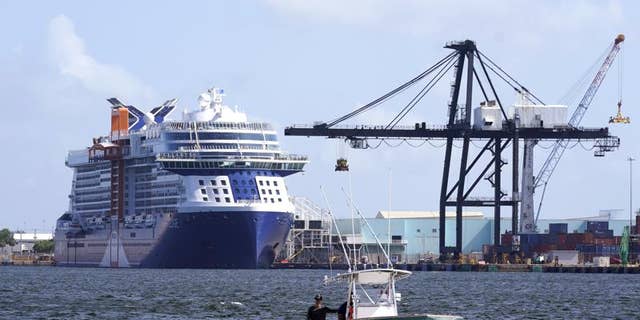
point(213, 239)
point(234, 240)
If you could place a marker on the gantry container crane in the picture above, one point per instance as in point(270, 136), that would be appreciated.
point(459, 127)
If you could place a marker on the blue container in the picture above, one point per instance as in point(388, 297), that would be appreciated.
point(586, 248)
point(556, 228)
point(597, 225)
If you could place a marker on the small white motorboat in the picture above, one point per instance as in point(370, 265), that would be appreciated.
point(372, 295)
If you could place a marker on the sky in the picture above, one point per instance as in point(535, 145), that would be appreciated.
point(295, 62)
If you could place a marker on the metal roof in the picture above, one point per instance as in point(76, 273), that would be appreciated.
point(30, 236)
point(425, 214)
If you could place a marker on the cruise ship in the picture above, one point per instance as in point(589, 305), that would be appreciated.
point(204, 192)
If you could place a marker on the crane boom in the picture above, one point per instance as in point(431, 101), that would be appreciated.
point(560, 146)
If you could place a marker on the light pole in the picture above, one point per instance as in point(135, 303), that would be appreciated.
point(630, 159)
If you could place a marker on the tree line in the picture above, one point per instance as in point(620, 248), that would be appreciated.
point(40, 246)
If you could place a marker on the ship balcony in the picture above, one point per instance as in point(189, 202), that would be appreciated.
point(191, 160)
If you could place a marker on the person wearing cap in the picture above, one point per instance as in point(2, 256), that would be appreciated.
point(319, 311)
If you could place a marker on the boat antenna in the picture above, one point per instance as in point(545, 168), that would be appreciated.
point(389, 216)
point(353, 227)
point(335, 224)
point(369, 227)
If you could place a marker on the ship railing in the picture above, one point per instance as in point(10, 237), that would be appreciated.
point(230, 146)
point(372, 127)
point(197, 156)
point(214, 125)
point(294, 157)
point(249, 201)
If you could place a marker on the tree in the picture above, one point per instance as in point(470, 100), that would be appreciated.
point(43, 246)
point(6, 238)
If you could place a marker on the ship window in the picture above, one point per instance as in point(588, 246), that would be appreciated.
point(217, 199)
point(277, 192)
point(132, 235)
point(268, 183)
point(251, 182)
point(272, 200)
point(205, 199)
point(235, 181)
point(227, 199)
point(203, 191)
point(253, 191)
point(263, 192)
point(261, 183)
point(213, 182)
point(224, 182)
point(275, 183)
point(279, 199)
point(201, 182)
point(236, 190)
point(270, 191)
point(215, 191)
point(225, 191)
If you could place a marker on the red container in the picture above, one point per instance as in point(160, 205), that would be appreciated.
point(588, 238)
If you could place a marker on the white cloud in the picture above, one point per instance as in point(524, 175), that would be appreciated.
point(67, 51)
point(522, 21)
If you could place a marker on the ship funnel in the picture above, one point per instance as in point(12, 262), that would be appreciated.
point(119, 123)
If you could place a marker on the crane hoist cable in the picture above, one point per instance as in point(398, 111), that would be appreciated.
point(392, 93)
point(619, 118)
point(523, 88)
point(446, 67)
point(579, 87)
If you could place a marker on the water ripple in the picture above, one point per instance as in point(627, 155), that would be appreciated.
point(87, 293)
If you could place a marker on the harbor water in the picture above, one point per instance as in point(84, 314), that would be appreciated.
point(92, 293)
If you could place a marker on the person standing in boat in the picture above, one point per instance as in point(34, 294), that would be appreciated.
point(342, 311)
point(319, 311)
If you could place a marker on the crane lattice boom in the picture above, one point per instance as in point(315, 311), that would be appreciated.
point(530, 184)
point(560, 146)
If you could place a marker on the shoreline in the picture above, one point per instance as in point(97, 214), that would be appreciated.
point(444, 267)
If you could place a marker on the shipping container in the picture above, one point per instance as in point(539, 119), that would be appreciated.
point(506, 239)
point(555, 228)
point(597, 225)
point(603, 233)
